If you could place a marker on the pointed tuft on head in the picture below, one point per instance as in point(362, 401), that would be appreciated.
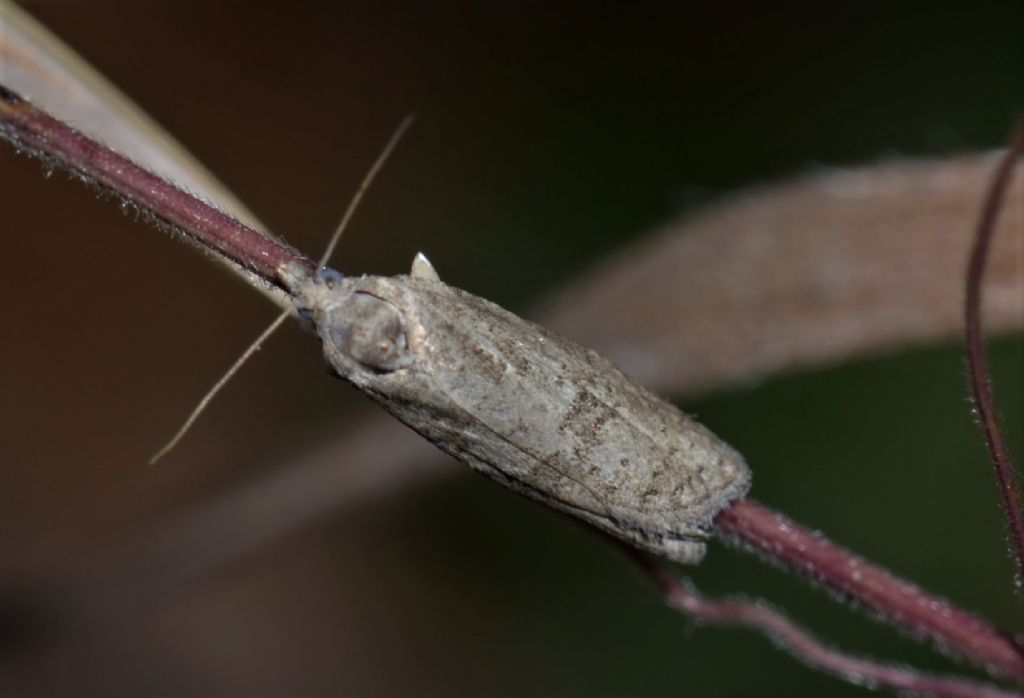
point(423, 269)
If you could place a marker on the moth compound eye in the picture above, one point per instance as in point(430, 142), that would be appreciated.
point(331, 277)
point(369, 331)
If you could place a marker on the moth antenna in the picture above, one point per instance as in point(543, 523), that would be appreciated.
point(253, 348)
point(363, 186)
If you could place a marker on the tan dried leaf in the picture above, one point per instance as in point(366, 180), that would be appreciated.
point(820, 269)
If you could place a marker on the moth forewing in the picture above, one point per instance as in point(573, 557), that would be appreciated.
point(534, 411)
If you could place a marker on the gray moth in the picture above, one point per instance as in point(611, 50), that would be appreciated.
point(536, 412)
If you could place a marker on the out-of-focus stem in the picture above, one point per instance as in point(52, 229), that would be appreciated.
point(897, 601)
point(804, 646)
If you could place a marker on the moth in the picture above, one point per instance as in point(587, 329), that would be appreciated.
point(536, 412)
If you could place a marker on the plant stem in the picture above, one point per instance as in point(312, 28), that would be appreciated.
point(897, 601)
point(57, 143)
point(757, 615)
point(977, 361)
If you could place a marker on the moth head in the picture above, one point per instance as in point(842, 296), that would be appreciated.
point(363, 328)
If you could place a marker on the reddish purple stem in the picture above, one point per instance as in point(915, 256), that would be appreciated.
point(897, 601)
point(977, 361)
point(804, 646)
point(55, 141)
